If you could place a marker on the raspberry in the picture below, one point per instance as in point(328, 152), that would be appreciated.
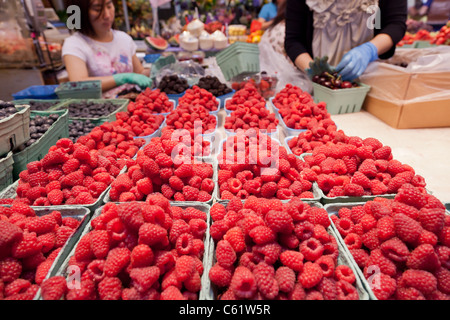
point(141, 256)
point(42, 271)
point(279, 221)
point(184, 244)
point(321, 234)
point(432, 219)
point(207, 185)
point(304, 230)
point(84, 198)
point(344, 272)
point(421, 280)
point(9, 234)
point(193, 283)
point(318, 215)
point(225, 254)
point(368, 222)
point(18, 286)
point(116, 260)
point(427, 237)
point(152, 234)
point(409, 294)
point(100, 243)
point(172, 293)
point(443, 277)
point(385, 265)
point(83, 249)
point(110, 288)
point(353, 241)
point(243, 283)
point(423, 257)
point(54, 288)
point(27, 247)
point(370, 239)
point(198, 228)
point(265, 280)
point(395, 250)
point(286, 279)
point(361, 257)
point(55, 196)
point(131, 215)
point(236, 238)
point(344, 226)
point(385, 288)
point(262, 234)
point(62, 235)
point(10, 269)
point(412, 196)
point(269, 251)
point(311, 249)
point(327, 288)
point(217, 211)
point(298, 293)
point(311, 275)
point(353, 190)
point(346, 291)
point(269, 189)
point(220, 276)
point(190, 193)
point(41, 225)
point(406, 228)
point(327, 265)
point(143, 278)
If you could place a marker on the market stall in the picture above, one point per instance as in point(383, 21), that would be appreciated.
point(222, 180)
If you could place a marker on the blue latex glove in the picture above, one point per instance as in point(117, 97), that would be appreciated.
point(355, 62)
point(135, 78)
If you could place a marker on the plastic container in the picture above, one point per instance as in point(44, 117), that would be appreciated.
point(122, 105)
point(6, 170)
point(37, 92)
point(80, 90)
point(14, 130)
point(58, 130)
point(239, 58)
point(289, 150)
point(341, 100)
point(10, 192)
point(333, 209)
point(289, 131)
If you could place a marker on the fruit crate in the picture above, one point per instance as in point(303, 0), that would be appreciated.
point(63, 263)
point(6, 170)
point(317, 194)
point(333, 209)
point(122, 105)
point(79, 213)
point(58, 130)
point(37, 92)
point(210, 160)
point(14, 130)
point(80, 90)
point(10, 192)
point(237, 59)
point(341, 100)
point(54, 102)
point(344, 258)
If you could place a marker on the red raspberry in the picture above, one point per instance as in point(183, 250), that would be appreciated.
point(83, 249)
point(262, 234)
point(54, 288)
point(432, 219)
point(41, 225)
point(318, 215)
point(9, 234)
point(100, 243)
point(346, 291)
point(26, 247)
point(406, 228)
point(412, 196)
point(269, 189)
point(62, 235)
point(243, 283)
point(236, 238)
point(344, 272)
point(279, 221)
point(10, 269)
point(386, 288)
point(344, 226)
point(395, 250)
point(421, 280)
point(311, 249)
point(286, 279)
point(265, 280)
point(370, 239)
point(298, 293)
point(116, 260)
point(141, 256)
point(152, 234)
point(207, 185)
point(361, 257)
point(408, 294)
point(353, 190)
point(423, 257)
point(18, 286)
point(443, 277)
point(110, 288)
point(269, 251)
point(143, 278)
point(427, 237)
point(184, 243)
point(353, 241)
point(220, 276)
point(327, 265)
point(217, 211)
point(225, 254)
point(311, 275)
point(327, 288)
point(172, 293)
point(385, 265)
point(131, 215)
point(190, 193)
point(385, 228)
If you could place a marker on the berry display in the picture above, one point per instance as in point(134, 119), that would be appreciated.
point(38, 126)
point(6, 109)
point(90, 109)
point(78, 128)
point(153, 101)
point(172, 84)
point(213, 85)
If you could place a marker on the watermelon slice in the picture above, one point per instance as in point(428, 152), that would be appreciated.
point(157, 43)
point(174, 41)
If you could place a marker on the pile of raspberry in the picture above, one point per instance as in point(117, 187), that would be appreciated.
point(137, 251)
point(297, 115)
point(186, 141)
point(259, 166)
point(112, 137)
point(289, 94)
point(154, 101)
point(69, 174)
point(198, 96)
point(317, 133)
point(191, 118)
point(162, 167)
point(266, 249)
point(29, 244)
point(359, 168)
point(252, 114)
point(248, 97)
point(139, 123)
point(401, 244)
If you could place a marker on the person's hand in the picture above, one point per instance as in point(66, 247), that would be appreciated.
point(141, 80)
point(355, 62)
point(318, 66)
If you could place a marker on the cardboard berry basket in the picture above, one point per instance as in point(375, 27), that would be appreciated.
point(333, 209)
point(210, 160)
point(79, 213)
point(343, 259)
point(6, 170)
point(10, 193)
point(58, 130)
point(315, 189)
point(121, 104)
point(63, 263)
point(54, 102)
point(14, 130)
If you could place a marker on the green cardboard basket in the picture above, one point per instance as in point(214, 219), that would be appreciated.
point(58, 130)
point(80, 90)
point(14, 130)
point(6, 170)
point(341, 100)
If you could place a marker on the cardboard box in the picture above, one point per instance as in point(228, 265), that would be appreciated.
point(413, 97)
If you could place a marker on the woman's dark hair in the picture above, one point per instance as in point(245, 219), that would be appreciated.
point(86, 26)
point(281, 14)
